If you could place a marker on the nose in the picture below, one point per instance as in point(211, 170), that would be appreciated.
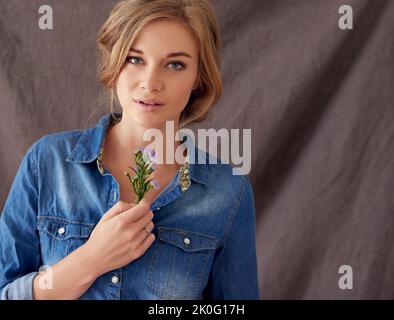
point(151, 81)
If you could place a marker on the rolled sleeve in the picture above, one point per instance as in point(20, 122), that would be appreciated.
point(19, 242)
point(19, 289)
point(234, 274)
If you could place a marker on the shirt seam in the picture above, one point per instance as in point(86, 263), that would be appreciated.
point(34, 164)
point(236, 208)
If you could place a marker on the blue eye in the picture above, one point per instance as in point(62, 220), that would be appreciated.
point(179, 65)
point(130, 59)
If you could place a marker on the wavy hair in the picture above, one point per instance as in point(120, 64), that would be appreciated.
point(128, 18)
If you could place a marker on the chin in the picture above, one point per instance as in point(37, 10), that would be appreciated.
point(150, 121)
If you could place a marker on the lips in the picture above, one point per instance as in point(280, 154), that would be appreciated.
point(150, 102)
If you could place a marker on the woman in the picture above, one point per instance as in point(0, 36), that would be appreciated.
point(72, 210)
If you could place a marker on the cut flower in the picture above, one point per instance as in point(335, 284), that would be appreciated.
point(145, 160)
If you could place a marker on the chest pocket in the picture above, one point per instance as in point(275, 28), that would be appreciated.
point(59, 237)
point(179, 263)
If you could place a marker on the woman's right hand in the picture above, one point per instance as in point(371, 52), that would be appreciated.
point(122, 235)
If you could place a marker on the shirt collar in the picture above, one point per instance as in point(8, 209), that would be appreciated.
point(88, 147)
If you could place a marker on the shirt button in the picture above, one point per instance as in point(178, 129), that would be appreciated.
point(186, 241)
point(61, 230)
point(115, 279)
point(158, 209)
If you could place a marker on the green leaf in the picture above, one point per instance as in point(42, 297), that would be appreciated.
point(133, 170)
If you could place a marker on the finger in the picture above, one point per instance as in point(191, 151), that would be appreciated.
point(118, 208)
point(140, 237)
point(138, 226)
point(135, 213)
point(145, 240)
point(149, 227)
point(143, 232)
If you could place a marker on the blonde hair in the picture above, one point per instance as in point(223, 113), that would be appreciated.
point(126, 21)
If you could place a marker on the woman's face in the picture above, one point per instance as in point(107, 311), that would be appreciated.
point(149, 73)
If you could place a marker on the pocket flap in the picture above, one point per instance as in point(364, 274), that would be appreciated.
point(63, 229)
point(187, 240)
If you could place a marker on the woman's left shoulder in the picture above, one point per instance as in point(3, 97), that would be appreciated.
point(226, 172)
point(224, 179)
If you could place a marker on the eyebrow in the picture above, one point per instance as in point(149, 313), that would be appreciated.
point(171, 55)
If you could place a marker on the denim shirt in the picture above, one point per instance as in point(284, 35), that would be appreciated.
point(205, 235)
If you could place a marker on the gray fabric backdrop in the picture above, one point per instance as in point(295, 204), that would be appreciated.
point(319, 101)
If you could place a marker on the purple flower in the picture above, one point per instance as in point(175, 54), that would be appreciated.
point(155, 184)
point(153, 156)
point(152, 165)
point(149, 155)
point(145, 159)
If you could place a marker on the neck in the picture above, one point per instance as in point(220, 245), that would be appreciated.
point(126, 137)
